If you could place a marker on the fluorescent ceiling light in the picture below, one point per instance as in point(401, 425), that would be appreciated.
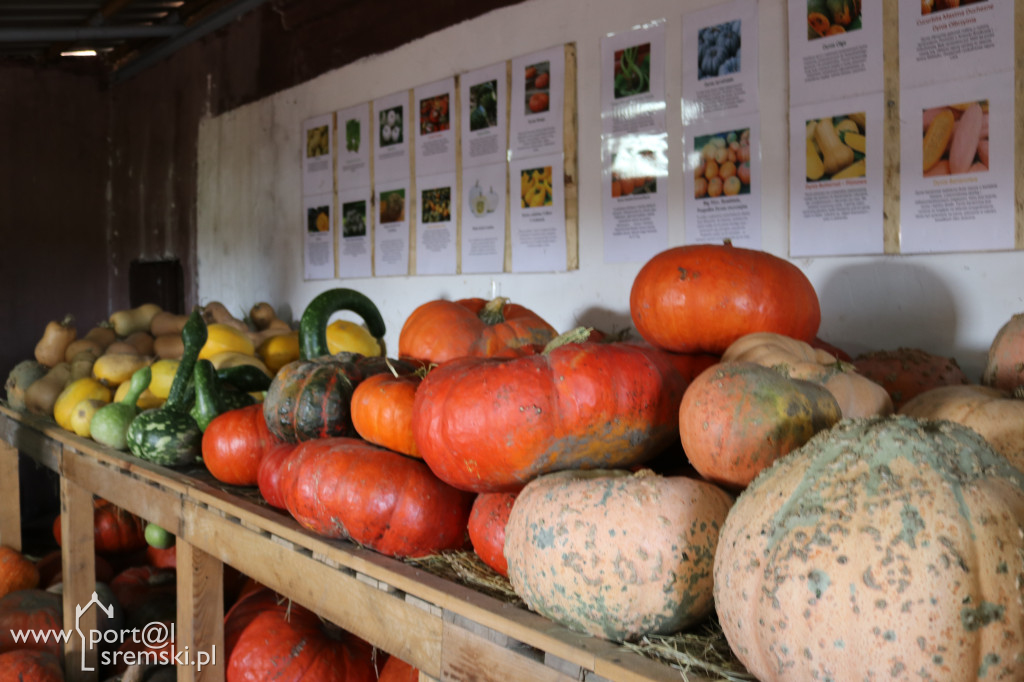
point(79, 53)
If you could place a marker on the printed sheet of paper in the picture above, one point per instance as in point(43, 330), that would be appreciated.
point(835, 54)
point(353, 147)
point(720, 61)
point(835, 189)
point(483, 218)
point(633, 80)
point(355, 219)
point(538, 214)
point(942, 40)
point(484, 94)
point(391, 136)
point(317, 160)
point(318, 247)
point(434, 125)
point(391, 230)
point(634, 197)
point(435, 224)
point(722, 181)
point(538, 94)
point(960, 197)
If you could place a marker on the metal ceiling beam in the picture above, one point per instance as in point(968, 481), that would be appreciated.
point(210, 24)
point(78, 33)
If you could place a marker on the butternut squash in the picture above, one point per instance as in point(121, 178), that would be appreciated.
point(277, 351)
point(127, 322)
point(143, 342)
point(836, 155)
point(96, 339)
point(223, 337)
point(42, 394)
point(113, 369)
point(966, 134)
point(263, 317)
point(854, 141)
point(168, 346)
point(121, 347)
point(167, 323)
point(815, 166)
point(216, 312)
point(937, 137)
point(82, 364)
point(86, 388)
point(857, 169)
point(56, 338)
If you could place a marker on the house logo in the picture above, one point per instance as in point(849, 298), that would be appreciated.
point(89, 642)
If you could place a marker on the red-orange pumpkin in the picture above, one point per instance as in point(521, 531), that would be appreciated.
point(162, 558)
point(382, 411)
point(348, 488)
point(736, 418)
point(491, 425)
point(397, 670)
point(268, 474)
point(36, 610)
point(245, 610)
point(137, 586)
point(1004, 367)
point(234, 443)
point(701, 298)
point(440, 330)
point(905, 372)
point(114, 529)
point(487, 521)
point(16, 571)
point(25, 665)
point(297, 646)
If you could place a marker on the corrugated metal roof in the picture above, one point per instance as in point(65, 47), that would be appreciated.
point(127, 35)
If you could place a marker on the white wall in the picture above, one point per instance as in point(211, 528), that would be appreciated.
point(249, 198)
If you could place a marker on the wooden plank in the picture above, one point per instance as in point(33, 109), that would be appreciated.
point(78, 568)
point(156, 503)
point(29, 435)
point(569, 149)
point(379, 617)
point(891, 130)
point(10, 498)
point(200, 623)
point(467, 656)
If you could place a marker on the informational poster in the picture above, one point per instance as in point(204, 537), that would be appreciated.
point(355, 219)
point(634, 197)
point(537, 103)
point(633, 80)
point(957, 190)
point(317, 164)
point(434, 127)
point(483, 218)
point(484, 120)
point(391, 232)
point(720, 61)
point(538, 216)
point(318, 247)
point(835, 49)
point(353, 147)
point(943, 40)
point(835, 177)
point(722, 181)
point(435, 224)
point(391, 137)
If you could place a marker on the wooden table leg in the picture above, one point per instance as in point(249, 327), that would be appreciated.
point(78, 571)
point(10, 500)
point(200, 622)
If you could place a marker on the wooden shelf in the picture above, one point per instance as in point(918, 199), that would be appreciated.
point(447, 630)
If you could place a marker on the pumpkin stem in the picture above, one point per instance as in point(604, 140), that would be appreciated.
point(494, 312)
point(1018, 392)
point(577, 335)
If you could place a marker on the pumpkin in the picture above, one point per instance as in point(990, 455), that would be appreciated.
point(32, 609)
point(348, 488)
point(298, 646)
point(905, 372)
point(887, 547)
point(736, 418)
point(24, 374)
point(250, 605)
point(1004, 365)
point(440, 330)
point(234, 443)
point(31, 666)
point(16, 572)
point(493, 424)
point(487, 521)
point(75, 392)
point(268, 473)
point(50, 567)
point(997, 415)
point(700, 298)
point(139, 586)
point(53, 345)
point(857, 395)
point(347, 336)
point(382, 411)
point(614, 554)
point(114, 529)
point(397, 670)
point(166, 557)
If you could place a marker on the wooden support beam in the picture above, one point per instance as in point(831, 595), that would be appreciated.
point(199, 630)
point(78, 570)
point(10, 499)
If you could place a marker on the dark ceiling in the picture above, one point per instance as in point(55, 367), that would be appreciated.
point(127, 35)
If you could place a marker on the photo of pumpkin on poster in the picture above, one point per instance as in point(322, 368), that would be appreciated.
point(538, 87)
point(836, 147)
point(318, 219)
point(535, 184)
point(832, 17)
point(955, 139)
point(724, 165)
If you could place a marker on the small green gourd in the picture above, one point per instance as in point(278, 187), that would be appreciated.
point(212, 397)
point(168, 435)
point(109, 426)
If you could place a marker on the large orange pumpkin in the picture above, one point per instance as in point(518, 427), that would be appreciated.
point(701, 298)
point(441, 330)
point(36, 610)
point(382, 411)
point(487, 521)
point(905, 372)
point(16, 572)
point(491, 425)
point(27, 665)
point(115, 530)
point(884, 548)
point(615, 554)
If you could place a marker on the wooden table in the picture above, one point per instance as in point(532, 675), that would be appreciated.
point(446, 630)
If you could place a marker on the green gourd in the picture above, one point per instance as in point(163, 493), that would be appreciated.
point(109, 426)
point(213, 397)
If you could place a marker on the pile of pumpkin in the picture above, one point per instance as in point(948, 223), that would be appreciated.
point(824, 506)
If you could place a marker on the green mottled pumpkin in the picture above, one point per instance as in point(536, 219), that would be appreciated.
point(615, 554)
point(885, 548)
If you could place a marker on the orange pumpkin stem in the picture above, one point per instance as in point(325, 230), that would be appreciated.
point(577, 335)
point(494, 312)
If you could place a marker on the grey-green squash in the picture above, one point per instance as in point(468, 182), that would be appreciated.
point(109, 426)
